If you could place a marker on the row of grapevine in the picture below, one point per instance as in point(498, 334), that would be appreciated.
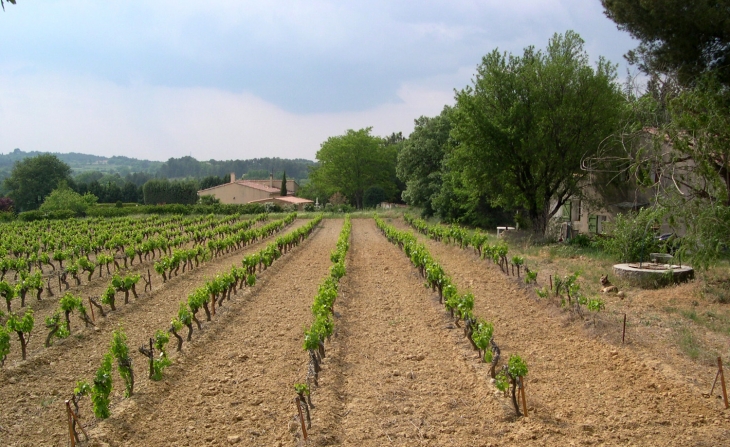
point(479, 332)
point(213, 293)
point(92, 246)
point(168, 265)
point(323, 324)
point(122, 246)
point(216, 291)
point(565, 287)
point(458, 235)
point(118, 284)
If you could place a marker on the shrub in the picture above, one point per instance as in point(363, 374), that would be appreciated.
point(65, 199)
point(581, 240)
point(631, 236)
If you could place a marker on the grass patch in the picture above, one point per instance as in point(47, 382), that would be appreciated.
point(716, 287)
point(715, 321)
point(689, 344)
point(691, 315)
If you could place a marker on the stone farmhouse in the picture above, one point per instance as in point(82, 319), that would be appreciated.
point(256, 191)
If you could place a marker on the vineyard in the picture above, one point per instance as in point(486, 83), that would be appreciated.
point(282, 330)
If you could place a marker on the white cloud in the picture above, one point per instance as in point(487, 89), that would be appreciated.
point(65, 114)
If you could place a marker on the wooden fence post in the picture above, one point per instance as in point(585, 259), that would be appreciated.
point(722, 381)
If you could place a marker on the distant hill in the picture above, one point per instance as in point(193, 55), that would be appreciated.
point(183, 167)
point(84, 162)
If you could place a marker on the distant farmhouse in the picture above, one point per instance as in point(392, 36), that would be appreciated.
point(256, 191)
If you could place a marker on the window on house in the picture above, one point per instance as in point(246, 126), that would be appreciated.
point(595, 223)
point(566, 211)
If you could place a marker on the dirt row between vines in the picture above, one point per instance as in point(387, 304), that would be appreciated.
point(397, 372)
point(582, 390)
point(34, 390)
point(237, 381)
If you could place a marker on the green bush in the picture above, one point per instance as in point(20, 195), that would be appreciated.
point(581, 240)
point(64, 199)
point(31, 216)
point(631, 236)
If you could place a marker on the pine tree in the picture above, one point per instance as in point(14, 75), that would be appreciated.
point(283, 185)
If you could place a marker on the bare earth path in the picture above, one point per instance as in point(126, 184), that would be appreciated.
point(238, 379)
point(395, 373)
point(37, 388)
point(583, 390)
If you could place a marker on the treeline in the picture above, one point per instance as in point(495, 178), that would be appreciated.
point(163, 191)
point(256, 168)
point(143, 189)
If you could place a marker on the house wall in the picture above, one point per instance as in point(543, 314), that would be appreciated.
point(233, 193)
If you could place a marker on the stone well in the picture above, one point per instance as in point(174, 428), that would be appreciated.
point(653, 275)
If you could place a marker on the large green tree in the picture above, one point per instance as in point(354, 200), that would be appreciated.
point(33, 178)
point(527, 121)
point(352, 163)
point(685, 51)
point(688, 168)
point(686, 37)
point(420, 160)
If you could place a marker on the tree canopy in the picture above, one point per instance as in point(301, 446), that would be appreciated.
point(689, 37)
point(421, 158)
point(685, 51)
point(163, 191)
point(32, 179)
point(527, 121)
point(353, 162)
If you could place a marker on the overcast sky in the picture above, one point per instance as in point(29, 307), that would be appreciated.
point(228, 79)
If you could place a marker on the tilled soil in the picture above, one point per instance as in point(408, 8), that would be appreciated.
point(397, 372)
point(582, 390)
point(236, 383)
point(37, 387)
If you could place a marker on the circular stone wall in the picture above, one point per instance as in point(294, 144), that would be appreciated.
point(652, 276)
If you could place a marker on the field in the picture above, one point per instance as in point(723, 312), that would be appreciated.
point(397, 371)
